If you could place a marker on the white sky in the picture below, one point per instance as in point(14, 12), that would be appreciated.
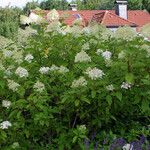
point(19, 3)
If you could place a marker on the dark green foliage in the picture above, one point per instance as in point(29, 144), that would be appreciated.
point(54, 4)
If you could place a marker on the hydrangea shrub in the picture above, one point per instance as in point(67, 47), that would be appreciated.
point(65, 84)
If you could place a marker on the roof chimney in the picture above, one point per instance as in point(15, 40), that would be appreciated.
point(73, 7)
point(121, 8)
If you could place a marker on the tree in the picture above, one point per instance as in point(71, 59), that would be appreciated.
point(54, 4)
point(135, 4)
point(94, 4)
point(30, 5)
point(9, 22)
point(146, 5)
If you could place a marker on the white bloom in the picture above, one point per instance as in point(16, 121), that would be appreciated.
point(79, 82)
point(54, 68)
point(25, 20)
point(18, 56)
point(86, 46)
point(82, 57)
point(29, 58)
point(106, 55)
point(36, 18)
point(39, 86)
point(86, 30)
point(99, 52)
point(63, 69)
point(125, 33)
point(7, 73)
point(110, 87)
point(94, 73)
point(54, 26)
point(15, 145)
point(121, 55)
point(127, 147)
point(93, 41)
point(6, 103)
point(125, 85)
point(13, 85)
point(146, 30)
point(44, 70)
point(82, 127)
point(7, 53)
point(53, 15)
point(146, 39)
point(5, 125)
point(22, 72)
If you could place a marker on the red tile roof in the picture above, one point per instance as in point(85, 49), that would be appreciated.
point(138, 17)
point(111, 20)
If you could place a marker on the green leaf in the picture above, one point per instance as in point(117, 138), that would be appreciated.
point(74, 139)
point(109, 99)
point(93, 93)
point(145, 105)
point(129, 78)
point(86, 100)
point(119, 95)
point(77, 102)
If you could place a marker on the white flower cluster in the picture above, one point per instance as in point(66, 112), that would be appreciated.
point(36, 18)
point(146, 30)
point(53, 15)
point(106, 55)
point(29, 58)
point(7, 53)
point(63, 69)
point(6, 103)
point(18, 56)
point(110, 87)
point(93, 41)
point(127, 147)
point(44, 70)
point(79, 82)
point(121, 55)
point(82, 127)
point(86, 46)
point(39, 86)
point(82, 57)
point(94, 73)
point(125, 33)
point(13, 85)
point(21, 72)
point(99, 51)
point(54, 26)
point(5, 125)
point(54, 68)
point(125, 86)
point(25, 20)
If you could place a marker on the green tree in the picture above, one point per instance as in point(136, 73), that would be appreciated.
point(9, 22)
point(146, 5)
point(30, 5)
point(135, 4)
point(54, 4)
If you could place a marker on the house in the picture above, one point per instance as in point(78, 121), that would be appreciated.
point(112, 19)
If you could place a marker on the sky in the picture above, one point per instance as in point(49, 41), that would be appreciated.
point(19, 3)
